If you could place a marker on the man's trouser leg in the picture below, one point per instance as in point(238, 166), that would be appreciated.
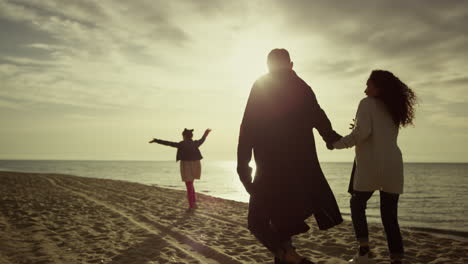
point(259, 223)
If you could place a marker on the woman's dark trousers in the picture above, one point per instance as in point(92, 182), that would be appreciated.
point(389, 214)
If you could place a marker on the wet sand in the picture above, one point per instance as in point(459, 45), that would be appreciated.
point(52, 218)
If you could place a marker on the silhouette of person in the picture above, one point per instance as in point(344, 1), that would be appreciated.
point(189, 156)
point(388, 106)
point(289, 185)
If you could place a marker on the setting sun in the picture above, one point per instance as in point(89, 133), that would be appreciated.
point(248, 61)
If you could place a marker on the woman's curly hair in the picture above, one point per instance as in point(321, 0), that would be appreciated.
point(396, 95)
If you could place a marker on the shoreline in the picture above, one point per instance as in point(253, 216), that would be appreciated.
point(461, 235)
point(56, 218)
point(448, 233)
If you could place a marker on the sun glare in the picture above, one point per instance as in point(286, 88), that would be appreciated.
point(248, 61)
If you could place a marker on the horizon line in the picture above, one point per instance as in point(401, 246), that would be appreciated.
point(218, 160)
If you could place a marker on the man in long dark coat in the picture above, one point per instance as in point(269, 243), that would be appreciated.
point(289, 185)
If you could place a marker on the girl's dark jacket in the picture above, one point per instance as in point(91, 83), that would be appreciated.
point(186, 149)
point(277, 126)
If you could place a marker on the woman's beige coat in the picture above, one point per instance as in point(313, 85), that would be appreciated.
point(379, 163)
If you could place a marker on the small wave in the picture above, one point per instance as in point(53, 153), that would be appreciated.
point(17, 170)
point(455, 234)
point(168, 186)
point(445, 232)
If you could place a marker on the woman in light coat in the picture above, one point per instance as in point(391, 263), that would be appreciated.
point(379, 164)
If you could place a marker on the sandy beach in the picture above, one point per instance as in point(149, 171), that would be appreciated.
point(52, 218)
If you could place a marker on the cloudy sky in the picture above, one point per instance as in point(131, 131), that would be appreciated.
point(98, 79)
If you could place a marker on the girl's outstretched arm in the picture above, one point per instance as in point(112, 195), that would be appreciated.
point(164, 142)
point(202, 139)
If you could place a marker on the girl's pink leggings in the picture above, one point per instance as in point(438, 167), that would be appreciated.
point(190, 194)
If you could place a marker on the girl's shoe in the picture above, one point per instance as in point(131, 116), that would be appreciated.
point(357, 259)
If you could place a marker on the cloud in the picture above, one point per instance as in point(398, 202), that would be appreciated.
point(450, 121)
point(95, 27)
point(108, 54)
point(446, 89)
point(423, 43)
point(194, 61)
point(386, 31)
point(66, 53)
point(9, 104)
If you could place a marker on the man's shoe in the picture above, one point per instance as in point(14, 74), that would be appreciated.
point(357, 259)
point(278, 261)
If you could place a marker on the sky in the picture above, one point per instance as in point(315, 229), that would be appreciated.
point(96, 80)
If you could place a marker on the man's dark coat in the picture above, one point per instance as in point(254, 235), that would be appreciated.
point(277, 125)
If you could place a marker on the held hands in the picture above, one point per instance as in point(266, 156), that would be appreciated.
point(333, 141)
point(330, 144)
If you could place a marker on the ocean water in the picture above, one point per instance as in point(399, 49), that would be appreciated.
point(435, 198)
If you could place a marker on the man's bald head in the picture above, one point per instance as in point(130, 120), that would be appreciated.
point(278, 59)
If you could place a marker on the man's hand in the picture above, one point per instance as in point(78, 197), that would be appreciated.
point(153, 141)
point(353, 124)
point(249, 188)
point(207, 131)
point(245, 174)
